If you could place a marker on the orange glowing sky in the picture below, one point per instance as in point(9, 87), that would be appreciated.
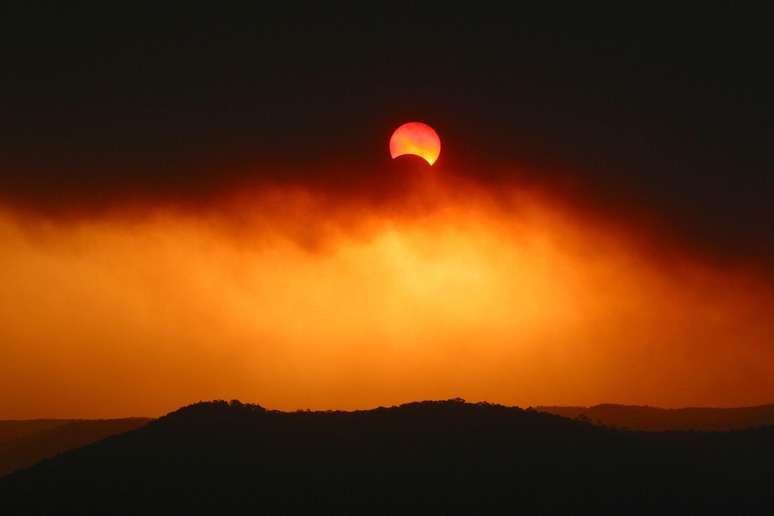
point(294, 299)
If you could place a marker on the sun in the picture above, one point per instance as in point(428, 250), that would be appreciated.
point(418, 139)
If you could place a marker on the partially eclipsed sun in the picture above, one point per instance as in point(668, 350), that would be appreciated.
point(418, 139)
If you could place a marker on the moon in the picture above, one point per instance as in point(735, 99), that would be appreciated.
point(415, 138)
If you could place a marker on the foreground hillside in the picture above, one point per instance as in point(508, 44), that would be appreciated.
point(659, 419)
point(23, 443)
point(430, 457)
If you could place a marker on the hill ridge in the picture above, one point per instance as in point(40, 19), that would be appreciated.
point(444, 456)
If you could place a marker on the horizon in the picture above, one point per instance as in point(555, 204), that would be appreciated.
point(369, 408)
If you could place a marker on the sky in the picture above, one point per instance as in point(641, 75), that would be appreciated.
point(201, 205)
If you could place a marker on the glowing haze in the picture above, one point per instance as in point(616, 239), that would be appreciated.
point(295, 297)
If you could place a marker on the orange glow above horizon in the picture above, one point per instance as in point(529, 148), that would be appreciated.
point(298, 301)
point(418, 139)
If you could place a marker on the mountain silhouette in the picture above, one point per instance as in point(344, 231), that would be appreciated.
point(11, 430)
point(23, 443)
point(660, 419)
point(426, 457)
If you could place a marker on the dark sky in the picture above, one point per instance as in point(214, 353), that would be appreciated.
point(666, 116)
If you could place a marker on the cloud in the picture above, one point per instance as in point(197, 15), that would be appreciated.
point(643, 126)
point(308, 302)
